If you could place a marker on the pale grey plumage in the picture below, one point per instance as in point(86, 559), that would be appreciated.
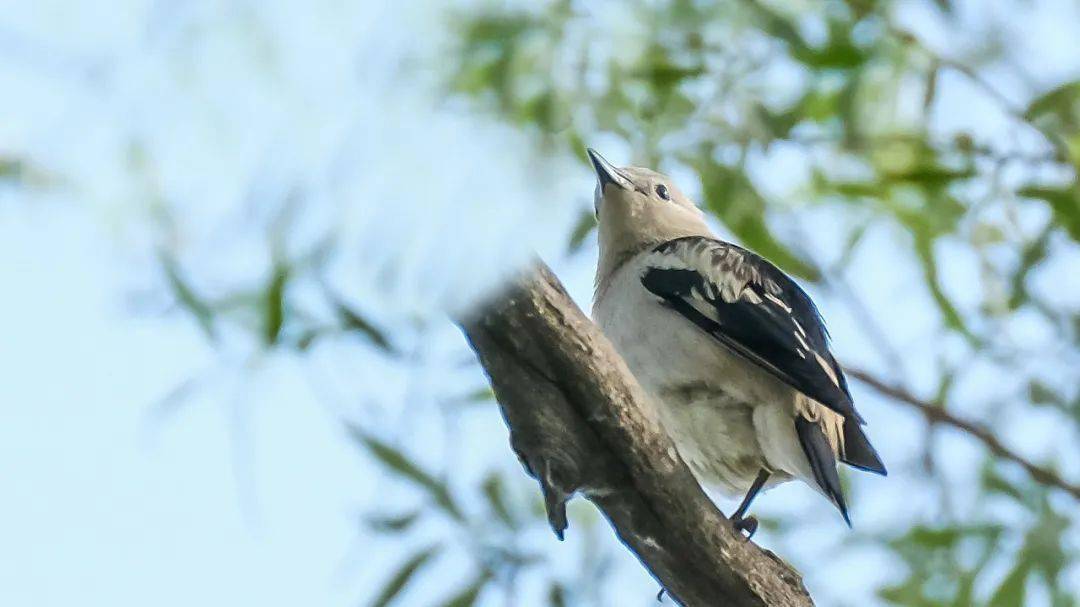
point(732, 352)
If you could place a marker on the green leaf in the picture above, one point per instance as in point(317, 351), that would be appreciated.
point(932, 176)
point(1011, 592)
point(851, 245)
point(984, 234)
point(1064, 202)
point(478, 396)
point(307, 339)
point(1044, 547)
point(12, 169)
point(819, 105)
point(778, 124)
point(777, 26)
point(906, 593)
point(856, 189)
point(839, 52)
point(274, 305)
point(401, 578)
point(994, 483)
point(495, 493)
point(586, 223)
point(468, 595)
point(556, 595)
point(930, 537)
point(663, 75)
point(924, 251)
point(945, 6)
point(1059, 105)
point(355, 322)
point(1032, 254)
point(1042, 394)
point(395, 523)
point(847, 107)
point(965, 589)
point(930, 92)
point(734, 200)
point(186, 296)
point(547, 110)
point(400, 464)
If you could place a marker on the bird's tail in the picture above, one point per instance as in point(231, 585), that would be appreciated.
point(858, 452)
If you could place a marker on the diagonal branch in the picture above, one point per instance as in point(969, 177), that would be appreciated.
point(580, 423)
point(938, 415)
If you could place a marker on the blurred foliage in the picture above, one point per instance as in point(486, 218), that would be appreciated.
point(843, 100)
point(11, 169)
point(492, 534)
point(15, 171)
point(721, 89)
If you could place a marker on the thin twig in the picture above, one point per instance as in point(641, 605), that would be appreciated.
point(938, 415)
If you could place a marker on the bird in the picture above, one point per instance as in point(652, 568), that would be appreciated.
point(732, 353)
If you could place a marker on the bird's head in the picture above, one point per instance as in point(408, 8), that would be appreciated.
point(638, 207)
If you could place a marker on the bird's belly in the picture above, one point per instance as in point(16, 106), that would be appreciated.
point(703, 394)
point(715, 437)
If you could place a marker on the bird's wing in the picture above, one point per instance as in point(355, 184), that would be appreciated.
point(755, 310)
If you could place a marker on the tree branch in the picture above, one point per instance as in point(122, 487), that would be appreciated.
point(580, 423)
point(938, 415)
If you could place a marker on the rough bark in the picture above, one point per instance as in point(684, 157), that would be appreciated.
point(580, 423)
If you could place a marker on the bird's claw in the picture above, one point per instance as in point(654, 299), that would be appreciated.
point(746, 526)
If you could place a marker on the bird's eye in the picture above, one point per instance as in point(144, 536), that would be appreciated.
point(661, 191)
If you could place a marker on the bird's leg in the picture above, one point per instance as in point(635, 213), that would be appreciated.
point(749, 524)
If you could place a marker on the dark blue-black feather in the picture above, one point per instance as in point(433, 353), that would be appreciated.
point(763, 333)
point(858, 452)
point(822, 463)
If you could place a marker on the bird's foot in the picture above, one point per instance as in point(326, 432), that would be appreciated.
point(745, 526)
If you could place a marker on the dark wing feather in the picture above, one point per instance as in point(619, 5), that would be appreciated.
point(771, 322)
point(819, 453)
point(858, 452)
point(759, 313)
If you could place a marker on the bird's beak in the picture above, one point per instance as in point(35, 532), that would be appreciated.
point(607, 173)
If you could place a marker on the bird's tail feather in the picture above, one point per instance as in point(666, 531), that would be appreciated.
point(858, 452)
point(822, 461)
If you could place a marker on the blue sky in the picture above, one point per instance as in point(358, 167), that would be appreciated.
point(250, 493)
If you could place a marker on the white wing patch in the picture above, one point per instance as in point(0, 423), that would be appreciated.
point(700, 304)
point(776, 300)
point(750, 296)
point(724, 269)
point(800, 336)
point(828, 369)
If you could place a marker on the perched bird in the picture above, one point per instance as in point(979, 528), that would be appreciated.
point(733, 353)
